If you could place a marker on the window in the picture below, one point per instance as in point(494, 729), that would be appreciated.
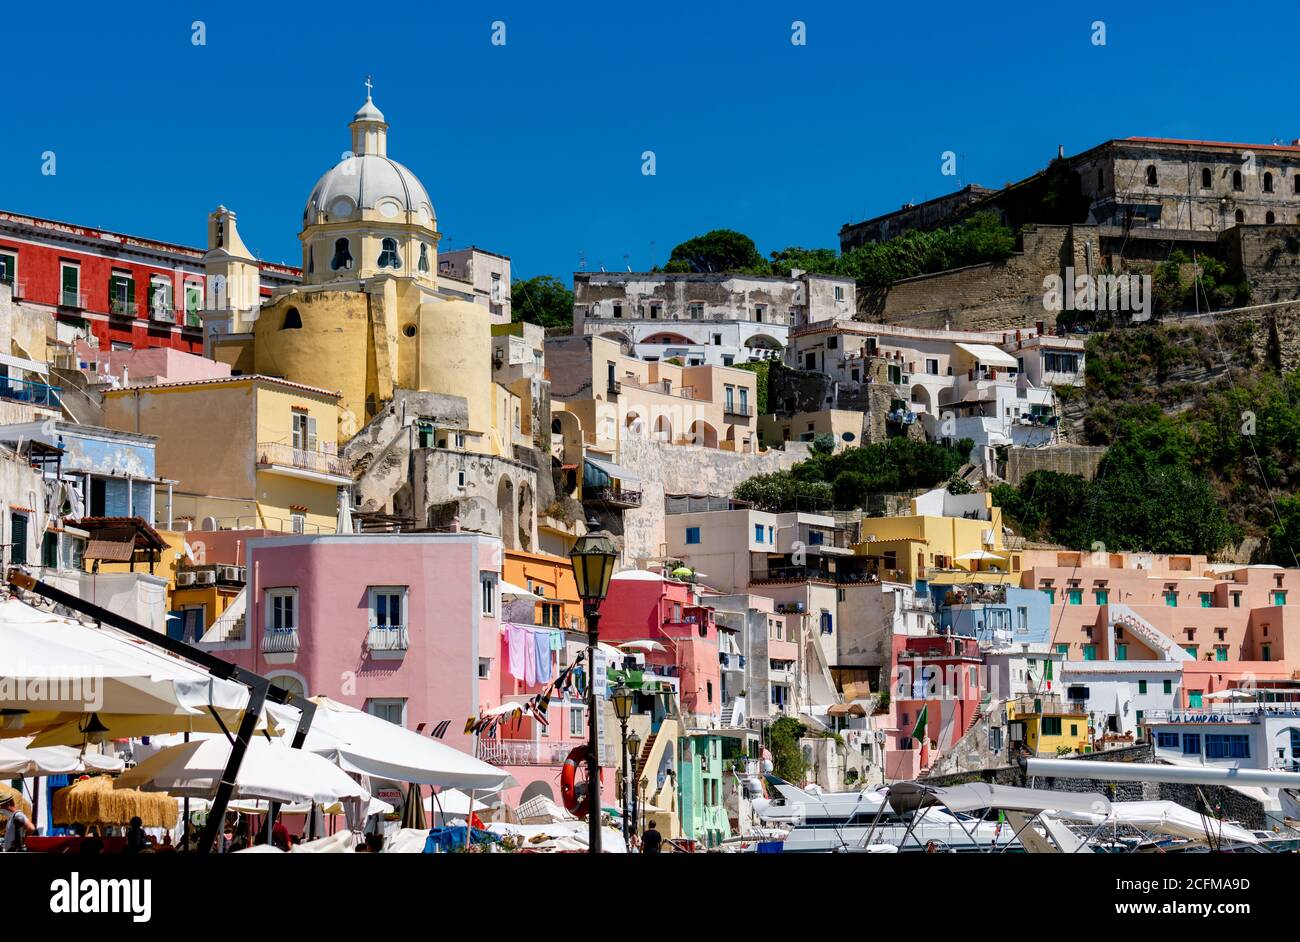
point(488, 592)
point(70, 280)
point(1240, 216)
point(577, 722)
point(759, 311)
point(1121, 652)
point(496, 286)
point(1102, 596)
point(1051, 594)
point(692, 534)
point(1270, 218)
point(8, 268)
point(1268, 185)
point(1142, 686)
point(18, 537)
point(388, 257)
point(342, 260)
point(1236, 600)
point(1076, 596)
point(758, 533)
point(1194, 699)
point(810, 361)
point(1051, 726)
point(281, 609)
point(1090, 652)
point(1151, 175)
point(744, 401)
point(1166, 740)
point(1207, 599)
point(193, 299)
point(839, 293)
point(1063, 650)
point(387, 606)
point(1191, 649)
point(770, 538)
point(1227, 746)
point(1168, 686)
point(1171, 599)
point(1207, 179)
point(393, 710)
point(50, 550)
point(423, 264)
point(1191, 744)
point(617, 309)
point(1220, 652)
point(1237, 185)
point(832, 342)
point(161, 300)
point(696, 311)
point(1266, 652)
point(1279, 598)
point(304, 432)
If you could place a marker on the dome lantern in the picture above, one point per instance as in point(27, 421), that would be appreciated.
point(369, 130)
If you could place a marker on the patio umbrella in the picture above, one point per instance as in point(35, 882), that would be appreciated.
point(453, 803)
point(17, 758)
point(270, 770)
point(413, 811)
point(95, 800)
point(641, 646)
point(981, 555)
point(359, 742)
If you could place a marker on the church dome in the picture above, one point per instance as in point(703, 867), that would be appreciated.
point(368, 182)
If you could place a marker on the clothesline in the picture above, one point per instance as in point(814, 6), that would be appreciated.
point(531, 652)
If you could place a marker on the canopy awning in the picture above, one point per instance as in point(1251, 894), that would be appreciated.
point(367, 744)
point(906, 796)
point(17, 758)
point(614, 471)
point(846, 709)
point(989, 355)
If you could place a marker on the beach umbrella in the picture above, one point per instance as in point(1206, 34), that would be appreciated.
point(94, 801)
point(270, 771)
point(641, 646)
point(17, 758)
point(413, 811)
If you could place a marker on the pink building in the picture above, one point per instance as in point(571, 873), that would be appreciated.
point(147, 365)
point(407, 627)
point(941, 674)
point(644, 606)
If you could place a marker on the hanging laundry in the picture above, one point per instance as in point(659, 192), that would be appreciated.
point(517, 643)
point(530, 656)
point(557, 640)
point(543, 642)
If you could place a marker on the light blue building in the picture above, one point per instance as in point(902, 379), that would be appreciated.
point(996, 615)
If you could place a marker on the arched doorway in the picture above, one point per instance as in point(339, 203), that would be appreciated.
point(663, 429)
point(506, 511)
point(702, 433)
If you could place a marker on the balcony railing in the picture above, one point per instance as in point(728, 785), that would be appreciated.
point(280, 641)
point(608, 495)
point(75, 299)
point(388, 639)
point(163, 313)
point(743, 408)
point(25, 390)
point(527, 752)
point(122, 307)
point(285, 455)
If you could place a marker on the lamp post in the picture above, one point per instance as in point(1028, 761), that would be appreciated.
point(593, 557)
point(622, 698)
point(631, 745)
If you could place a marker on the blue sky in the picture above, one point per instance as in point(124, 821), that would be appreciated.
point(533, 149)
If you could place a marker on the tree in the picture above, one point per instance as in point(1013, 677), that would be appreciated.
point(1284, 535)
point(720, 250)
point(787, 758)
point(542, 300)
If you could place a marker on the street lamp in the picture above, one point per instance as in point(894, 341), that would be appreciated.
point(623, 699)
point(633, 746)
point(593, 557)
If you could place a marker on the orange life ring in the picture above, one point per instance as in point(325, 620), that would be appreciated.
point(574, 793)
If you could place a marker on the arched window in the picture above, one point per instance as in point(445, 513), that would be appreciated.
point(1236, 181)
point(1151, 175)
point(388, 257)
point(1268, 183)
point(1241, 217)
point(292, 320)
point(289, 683)
point(342, 260)
point(424, 257)
point(311, 259)
point(1206, 180)
point(1269, 218)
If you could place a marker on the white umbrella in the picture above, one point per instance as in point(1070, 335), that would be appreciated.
point(367, 744)
point(453, 802)
point(270, 770)
point(17, 758)
point(510, 590)
point(980, 555)
point(641, 646)
point(1232, 693)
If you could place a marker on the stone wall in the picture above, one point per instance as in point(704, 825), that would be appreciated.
point(685, 469)
point(1269, 256)
point(991, 296)
point(1063, 459)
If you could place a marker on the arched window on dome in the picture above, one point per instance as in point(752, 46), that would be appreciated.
point(388, 257)
point(342, 260)
point(292, 320)
point(424, 257)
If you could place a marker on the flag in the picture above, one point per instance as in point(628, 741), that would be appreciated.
point(922, 720)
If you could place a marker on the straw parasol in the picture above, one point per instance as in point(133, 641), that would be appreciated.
point(95, 801)
point(20, 800)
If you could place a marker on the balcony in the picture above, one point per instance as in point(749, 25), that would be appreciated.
point(527, 752)
point(29, 391)
point(280, 645)
point(162, 313)
point(614, 497)
point(743, 409)
point(73, 299)
point(122, 307)
point(388, 642)
point(300, 462)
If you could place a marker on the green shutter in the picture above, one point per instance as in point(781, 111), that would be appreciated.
point(18, 537)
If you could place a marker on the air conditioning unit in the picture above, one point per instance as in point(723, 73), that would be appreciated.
point(184, 578)
point(205, 577)
point(232, 574)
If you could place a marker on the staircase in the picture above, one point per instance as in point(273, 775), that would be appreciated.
point(644, 757)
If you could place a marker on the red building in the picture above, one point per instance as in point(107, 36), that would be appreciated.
point(124, 292)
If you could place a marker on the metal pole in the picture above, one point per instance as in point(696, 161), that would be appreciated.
point(623, 785)
point(247, 726)
point(593, 742)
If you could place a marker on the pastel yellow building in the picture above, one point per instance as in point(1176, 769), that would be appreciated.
point(372, 314)
point(1045, 725)
point(247, 451)
point(945, 539)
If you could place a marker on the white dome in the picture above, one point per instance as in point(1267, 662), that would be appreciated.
point(368, 182)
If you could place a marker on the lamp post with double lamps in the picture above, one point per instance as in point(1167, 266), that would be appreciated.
point(593, 557)
point(623, 698)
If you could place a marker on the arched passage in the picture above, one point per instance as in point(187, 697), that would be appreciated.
point(702, 433)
